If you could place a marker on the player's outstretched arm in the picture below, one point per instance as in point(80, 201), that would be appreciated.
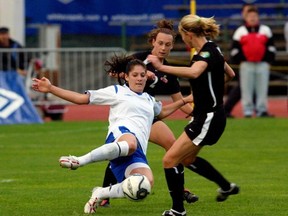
point(188, 108)
point(192, 72)
point(172, 107)
point(44, 85)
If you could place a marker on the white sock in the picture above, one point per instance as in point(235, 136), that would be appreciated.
point(113, 191)
point(107, 151)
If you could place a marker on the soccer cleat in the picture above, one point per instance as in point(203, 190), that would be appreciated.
point(223, 195)
point(105, 203)
point(92, 204)
point(70, 162)
point(172, 212)
point(190, 197)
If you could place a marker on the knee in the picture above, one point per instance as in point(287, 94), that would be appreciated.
point(132, 147)
point(168, 162)
point(187, 161)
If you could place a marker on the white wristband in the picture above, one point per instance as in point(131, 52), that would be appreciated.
point(146, 61)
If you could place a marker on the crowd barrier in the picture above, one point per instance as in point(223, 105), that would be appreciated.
point(73, 68)
point(76, 69)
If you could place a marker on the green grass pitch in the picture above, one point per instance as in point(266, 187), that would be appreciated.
point(252, 153)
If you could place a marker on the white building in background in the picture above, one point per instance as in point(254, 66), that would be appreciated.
point(12, 15)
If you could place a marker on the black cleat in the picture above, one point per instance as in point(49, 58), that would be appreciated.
point(190, 197)
point(172, 212)
point(223, 195)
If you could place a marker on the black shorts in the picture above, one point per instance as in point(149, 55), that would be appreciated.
point(206, 128)
point(156, 120)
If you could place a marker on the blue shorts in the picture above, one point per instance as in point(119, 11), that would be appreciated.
point(119, 165)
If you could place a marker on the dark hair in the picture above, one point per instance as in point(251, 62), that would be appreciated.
point(121, 64)
point(163, 26)
point(4, 30)
point(133, 63)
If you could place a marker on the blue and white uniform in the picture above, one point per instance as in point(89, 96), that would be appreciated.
point(130, 112)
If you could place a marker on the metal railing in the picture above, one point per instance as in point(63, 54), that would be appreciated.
point(77, 69)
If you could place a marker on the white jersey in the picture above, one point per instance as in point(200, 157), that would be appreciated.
point(129, 109)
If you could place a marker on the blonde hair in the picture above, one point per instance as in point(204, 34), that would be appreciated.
point(200, 26)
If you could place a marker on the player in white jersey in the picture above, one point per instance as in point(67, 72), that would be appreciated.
point(161, 40)
point(128, 109)
point(130, 119)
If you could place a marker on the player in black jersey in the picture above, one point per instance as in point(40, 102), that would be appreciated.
point(161, 40)
point(207, 74)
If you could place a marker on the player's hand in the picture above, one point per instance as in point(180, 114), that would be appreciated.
point(188, 99)
point(150, 75)
point(41, 85)
point(155, 61)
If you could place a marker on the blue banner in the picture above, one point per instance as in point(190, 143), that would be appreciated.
point(15, 105)
point(109, 17)
point(97, 16)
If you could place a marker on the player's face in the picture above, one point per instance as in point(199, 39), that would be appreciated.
point(136, 78)
point(162, 45)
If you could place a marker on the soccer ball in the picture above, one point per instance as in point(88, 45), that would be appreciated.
point(136, 187)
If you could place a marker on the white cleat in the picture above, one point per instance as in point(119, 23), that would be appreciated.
point(70, 162)
point(90, 206)
point(95, 200)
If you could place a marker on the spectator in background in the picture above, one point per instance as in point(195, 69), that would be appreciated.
point(13, 60)
point(253, 47)
point(234, 95)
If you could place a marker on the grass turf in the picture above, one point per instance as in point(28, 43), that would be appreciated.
point(252, 153)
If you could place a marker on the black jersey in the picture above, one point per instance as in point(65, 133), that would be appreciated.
point(208, 88)
point(164, 84)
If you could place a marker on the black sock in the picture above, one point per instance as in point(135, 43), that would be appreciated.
point(109, 178)
point(175, 182)
point(205, 169)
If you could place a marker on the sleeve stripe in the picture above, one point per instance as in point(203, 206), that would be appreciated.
point(116, 88)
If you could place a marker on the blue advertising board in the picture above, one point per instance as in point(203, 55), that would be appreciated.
point(107, 17)
point(96, 16)
point(15, 105)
